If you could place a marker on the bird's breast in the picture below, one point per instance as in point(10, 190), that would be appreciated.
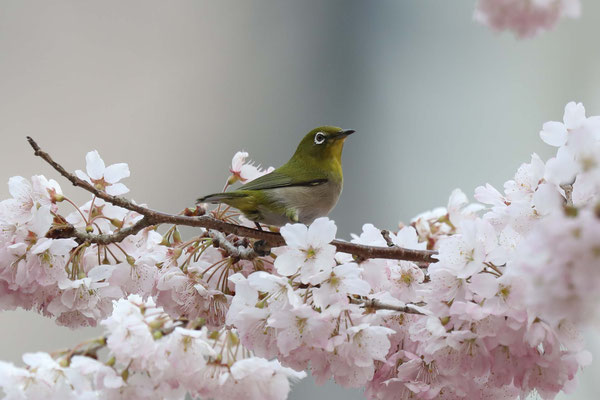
point(310, 202)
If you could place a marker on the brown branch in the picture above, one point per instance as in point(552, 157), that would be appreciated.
point(69, 231)
point(375, 305)
point(239, 252)
point(152, 217)
point(568, 188)
point(90, 348)
point(219, 239)
point(387, 236)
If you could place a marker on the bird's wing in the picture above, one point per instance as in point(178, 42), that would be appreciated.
point(278, 179)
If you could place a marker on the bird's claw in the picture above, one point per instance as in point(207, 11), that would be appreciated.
point(262, 248)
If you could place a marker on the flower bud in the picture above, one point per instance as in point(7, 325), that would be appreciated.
point(261, 304)
point(197, 211)
point(57, 198)
point(177, 253)
point(233, 179)
point(177, 237)
point(155, 324)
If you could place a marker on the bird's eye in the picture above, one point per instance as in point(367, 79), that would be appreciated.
point(319, 138)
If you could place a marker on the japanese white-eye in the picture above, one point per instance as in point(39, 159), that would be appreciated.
point(306, 187)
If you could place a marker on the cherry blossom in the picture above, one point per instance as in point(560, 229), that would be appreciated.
point(243, 171)
point(467, 252)
point(498, 315)
point(526, 18)
point(88, 298)
point(148, 363)
point(308, 250)
point(103, 177)
point(29, 196)
point(571, 281)
point(345, 279)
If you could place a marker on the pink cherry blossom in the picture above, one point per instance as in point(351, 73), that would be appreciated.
point(526, 18)
point(88, 298)
point(29, 196)
point(345, 280)
point(466, 253)
point(130, 337)
point(499, 315)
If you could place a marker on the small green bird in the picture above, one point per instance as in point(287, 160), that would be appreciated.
point(306, 187)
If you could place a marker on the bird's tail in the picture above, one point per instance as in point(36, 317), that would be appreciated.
point(220, 197)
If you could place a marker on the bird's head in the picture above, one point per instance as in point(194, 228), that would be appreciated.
point(322, 146)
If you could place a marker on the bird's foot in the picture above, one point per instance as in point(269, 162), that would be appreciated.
point(262, 248)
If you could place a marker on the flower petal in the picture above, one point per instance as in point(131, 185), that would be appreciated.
point(19, 188)
point(238, 161)
point(554, 133)
point(486, 285)
point(547, 199)
point(94, 165)
point(101, 272)
point(117, 189)
point(83, 176)
point(574, 115)
point(114, 173)
point(562, 168)
point(295, 235)
point(321, 232)
point(287, 263)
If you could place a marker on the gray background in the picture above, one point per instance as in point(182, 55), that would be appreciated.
point(175, 88)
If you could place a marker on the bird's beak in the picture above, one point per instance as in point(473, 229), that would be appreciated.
point(343, 134)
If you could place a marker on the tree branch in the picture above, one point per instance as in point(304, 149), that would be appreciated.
point(375, 305)
point(568, 188)
point(388, 239)
point(240, 252)
point(69, 231)
point(152, 217)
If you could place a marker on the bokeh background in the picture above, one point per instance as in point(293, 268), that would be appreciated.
point(175, 88)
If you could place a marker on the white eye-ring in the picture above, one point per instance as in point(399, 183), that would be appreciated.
point(319, 138)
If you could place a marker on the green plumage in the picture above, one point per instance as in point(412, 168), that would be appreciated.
point(304, 188)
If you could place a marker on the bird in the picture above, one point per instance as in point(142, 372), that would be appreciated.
point(305, 188)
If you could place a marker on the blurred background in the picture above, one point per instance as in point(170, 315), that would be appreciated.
point(176, 88)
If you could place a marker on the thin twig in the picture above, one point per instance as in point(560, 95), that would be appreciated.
point(69, 231)
point(372, 304)
point(568, 188)
point(152, 217)
point(388, 238)
point(240, 252)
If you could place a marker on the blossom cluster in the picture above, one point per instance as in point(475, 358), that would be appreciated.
point(498, 315)
point(151, 356)
point(526, 18)
point(75, 281)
